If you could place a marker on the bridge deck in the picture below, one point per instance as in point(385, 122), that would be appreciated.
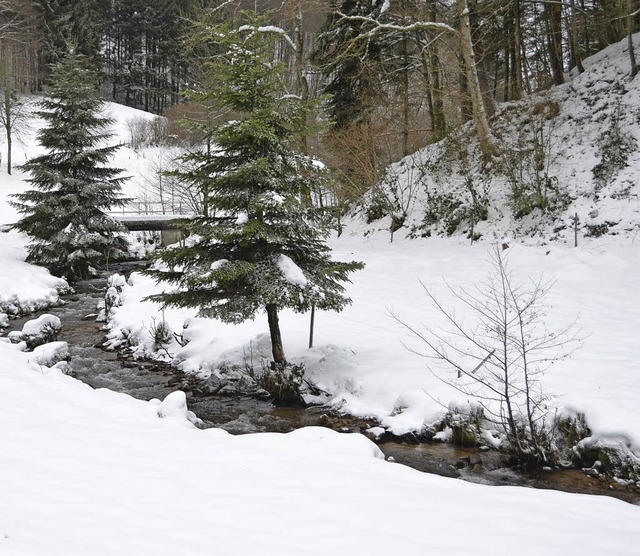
point(151, 223)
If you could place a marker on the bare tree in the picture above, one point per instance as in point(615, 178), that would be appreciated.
point(161, 187)
point(478, 100)
point(17, 48)
point(14, 111)
point(496, 354)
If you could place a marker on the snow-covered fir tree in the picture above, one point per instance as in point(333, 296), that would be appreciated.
point(258, 248)
point(65, 213)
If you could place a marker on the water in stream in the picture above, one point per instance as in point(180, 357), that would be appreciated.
point(146, 380)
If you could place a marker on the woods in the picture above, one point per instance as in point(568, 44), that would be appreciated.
point(416, 67)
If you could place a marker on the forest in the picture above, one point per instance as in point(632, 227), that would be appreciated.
point(391, 75)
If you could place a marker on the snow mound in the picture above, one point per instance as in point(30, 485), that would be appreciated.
point(50, 354)
point(174, 406)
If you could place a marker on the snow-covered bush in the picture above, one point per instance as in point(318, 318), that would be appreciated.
point(161, 333)
point(616, 145)
point(527, 162)
point(283, 384)
point(608, 455)
point(112, 297)
point(456, 193)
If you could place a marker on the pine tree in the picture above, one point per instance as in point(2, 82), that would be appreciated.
point(258, 248)
point(350, 65)
point(65, 213)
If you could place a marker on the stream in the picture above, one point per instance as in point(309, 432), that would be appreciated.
point(146, 380)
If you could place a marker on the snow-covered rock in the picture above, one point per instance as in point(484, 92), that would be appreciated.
point(50, 354)
point(175, 406)
point(38, 331)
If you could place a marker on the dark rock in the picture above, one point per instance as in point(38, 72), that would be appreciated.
point(591, 472)
point(261, 394)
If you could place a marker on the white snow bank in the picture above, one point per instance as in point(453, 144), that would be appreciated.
point(23, 287)
point(94, 472)
point(175, 406)
point(50, 354)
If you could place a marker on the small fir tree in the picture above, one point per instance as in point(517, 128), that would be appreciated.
point(258, 247)
point(65, 213)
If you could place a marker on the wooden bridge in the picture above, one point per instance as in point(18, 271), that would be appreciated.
point(166, 224)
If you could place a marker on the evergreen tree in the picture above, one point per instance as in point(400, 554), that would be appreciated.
point(81, 22)
point(350, 65)
point(258, 248)
point(65, 213)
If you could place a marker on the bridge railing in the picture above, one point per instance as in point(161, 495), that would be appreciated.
point(142, 208)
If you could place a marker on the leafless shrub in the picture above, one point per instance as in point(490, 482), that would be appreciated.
point(150, 132)
point(497, 354)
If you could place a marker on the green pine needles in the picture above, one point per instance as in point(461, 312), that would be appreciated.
point(259, 246)
point(65, 213)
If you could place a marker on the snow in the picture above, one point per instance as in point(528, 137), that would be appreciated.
point(291, 271)
point(42, 325)
point(95, 472)
point(364, 358)
point(174, 406)
point(88, 471)
point(49, 354)
point(24, 287)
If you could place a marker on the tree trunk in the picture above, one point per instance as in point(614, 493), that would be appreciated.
point(406, 105)
point(276, 339)
point(478, 55)
point(573, 40)
point(302, 86)
point(632, 55)
point(9, 141)
point(554, 42)
point(517, 51)
point(480, 117)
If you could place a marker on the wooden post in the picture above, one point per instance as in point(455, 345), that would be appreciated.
point(575, 229)
point(311, 325)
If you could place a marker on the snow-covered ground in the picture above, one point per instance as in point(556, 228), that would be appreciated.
point(94, 472)
point(366, 360)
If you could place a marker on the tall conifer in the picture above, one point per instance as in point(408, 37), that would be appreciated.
point(258, 248)
point(65, 213)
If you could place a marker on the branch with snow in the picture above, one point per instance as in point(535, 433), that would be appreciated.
point(270, 29)
point(415, 26)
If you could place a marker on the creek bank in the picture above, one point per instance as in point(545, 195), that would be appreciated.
point(144, 379)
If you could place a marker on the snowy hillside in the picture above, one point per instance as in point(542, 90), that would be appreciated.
point(571, 150)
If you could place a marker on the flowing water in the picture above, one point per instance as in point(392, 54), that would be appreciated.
point(240, 415)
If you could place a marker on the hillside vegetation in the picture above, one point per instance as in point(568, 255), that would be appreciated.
point(566, 152)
